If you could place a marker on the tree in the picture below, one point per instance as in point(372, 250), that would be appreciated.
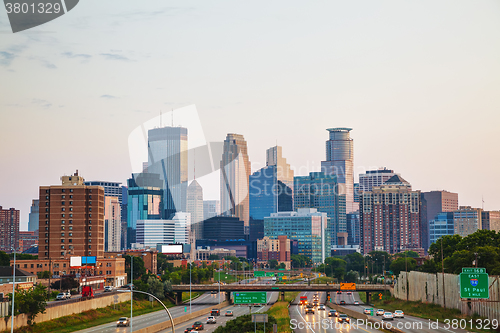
point(282, 266)
point(352, 277)
point(376, 260)
point(300, 261)
point(43, 275)
point(139, 268)
point(411, 254)
point(213, 257)
point(355, 262)
point(273, 263)
point(335, 267)
point(430, 266)
point(4, 259)
point(450, 245)
point(155, 287)
point(31, 302)
point(66, 283)
point(401, 264)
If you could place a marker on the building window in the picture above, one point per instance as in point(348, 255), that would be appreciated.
point(71, 202)
point(90, 209)
point(70, 221)
point(63, 215)
point(46, 204)
point(63, 203)
point(90, 246)
point(46, 241)
point(46, 209)
point(71, 196)
point(62, 234)
point(90, 234)
point(64, 197)
point(63, 190)
point(90, 221)
point(46, 253)
point(63, 209)
point(70, 215)
point(62, 247)
point(62, 240)
point(70, 227)
point(90, 228)
point(46, 228)
point(90, 215)
point(46, 216)
point(46, 234)
point(62, 253)
point(62, 221)
point(90, 240)
point(71, 208)
point(70, 240)
point(71, 190)
point(70, 234)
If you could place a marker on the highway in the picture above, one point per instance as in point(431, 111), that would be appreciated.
point(319, 322)
point(408, 324)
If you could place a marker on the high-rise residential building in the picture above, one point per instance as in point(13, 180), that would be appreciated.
point(144, 201)
point(114, 190)
point(211, 208)
point(153, 232)
point(307, 225)
point(374, 178)
point(234, 178)
point(441, 225)
point(71, 219)
point(340, 162)
point(27, 239)
point(223, 228)
point(271, 187)
point(33, 216)
point(9, 229)
point(433, 203)
point(356, 192)
point(467, 220)
point(168, 157)
point(491, 220)
point(352, 223)
point(195, 208)
point(278, 249)
point(390, 218)
point(322, 192)
point(112, 224)
point(124, 214)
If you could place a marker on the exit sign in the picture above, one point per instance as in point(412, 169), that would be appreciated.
point(474, 285)
point(474, 270)
point(250, 298)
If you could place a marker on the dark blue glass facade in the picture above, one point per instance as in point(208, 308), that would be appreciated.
point(442, 225)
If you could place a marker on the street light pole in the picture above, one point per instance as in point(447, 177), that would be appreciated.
point(131, 289)
point(190, 264)
point(13, 292)
point(219, 283)
point(442, 270)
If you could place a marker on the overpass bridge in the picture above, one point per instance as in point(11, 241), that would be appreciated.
point(281, 288)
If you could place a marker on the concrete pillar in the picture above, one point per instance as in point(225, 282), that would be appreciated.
point(228, 297)
point(282, 293)
point(368, 300)
point(178, 298)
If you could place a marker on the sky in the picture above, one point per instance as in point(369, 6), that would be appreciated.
point(417, 82)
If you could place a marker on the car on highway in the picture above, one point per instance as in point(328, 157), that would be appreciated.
point(211, 320)
point(213, 292)
point(333, 313)
point(342, 318)
point(399, 314)
point(68, 294)
point(349, 293)
point(229, 313)
point(215, 312)
point(197, 326)
point(342, 302)
point(387, 316)
point(108, 289)
point(123, 321)
point(61, 297)
point(188, 330)
point(339, 292)
point(380, 312)
point(367, 311)
point(356, 303)
point(315, 303)
point(309, 309)
point(321, 307)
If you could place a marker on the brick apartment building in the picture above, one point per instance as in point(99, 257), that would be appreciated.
point(9, 229)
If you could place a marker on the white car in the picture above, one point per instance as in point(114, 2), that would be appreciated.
point(321, 307)
point(108, 289)
point(380, 312)
point(356, 303)
point(399, 314)
point(211, 320)
point(61, 297)
point(387, 316)
point(68, 294)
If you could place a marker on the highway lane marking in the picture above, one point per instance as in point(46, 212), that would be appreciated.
point(307, 326)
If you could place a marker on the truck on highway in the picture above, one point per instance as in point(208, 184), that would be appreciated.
point(87, 292)
point(303, 300)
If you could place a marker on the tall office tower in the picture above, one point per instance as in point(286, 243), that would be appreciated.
point(390, 218)
point(308, 226)
point(441, 225)
point(168, 157)
point(234, 178)
point(71, 219)
point(114, 190)
point(112, 224)
point(123, 237)
point(339, 162)
point(9, 229)
point(467, 220)
point(222, 228)
point(352, 223)
point(356, 192)
point(322, 192)
point(433, 203)
point(195, 208)
point(33, 217)
point(144, 202)
point(174, 230)
point(374, 178)
point(271, 187)
point(211, 208)
point(491, 220)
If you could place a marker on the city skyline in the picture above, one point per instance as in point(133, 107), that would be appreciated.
point(416, 82)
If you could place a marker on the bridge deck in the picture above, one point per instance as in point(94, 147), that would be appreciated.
point(278, 287)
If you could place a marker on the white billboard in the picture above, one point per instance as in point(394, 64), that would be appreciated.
point(75, 261)
point(169, 249)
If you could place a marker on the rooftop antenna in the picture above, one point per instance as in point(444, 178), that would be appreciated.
point(172, 117)
point(482, 205)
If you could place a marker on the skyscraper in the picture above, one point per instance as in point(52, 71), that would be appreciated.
point(433, 203)
point(168, 157)
point(491, 220)
point(374, 178)
point(33, 217)
point(467, 220)
point(339, 162)
point(322, 192)
point(390, 218)
point(9, 229)
point(195, 208)
point(234, 178)
point(112, 224)
point(211, 208)
point(271, 187)
point(441, 225)
point(174, 230)
point(71, 219)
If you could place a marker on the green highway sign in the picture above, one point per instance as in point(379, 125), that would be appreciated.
point(250, 298)
point(281, 269)
point(259, 273)
point(474, 270)
point(474, 285)
point(269, 274)
point(281, 274)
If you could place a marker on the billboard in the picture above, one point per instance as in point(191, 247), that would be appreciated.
point(75, 261)
point(169, 249)
point(86, 261)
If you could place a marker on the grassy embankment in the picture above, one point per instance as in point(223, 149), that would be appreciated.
point(423, 310)
point(279, 310)
point(96, 317)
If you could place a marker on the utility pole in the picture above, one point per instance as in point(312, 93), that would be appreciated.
point(131, 288)
point(442, 270)
point(13, 292)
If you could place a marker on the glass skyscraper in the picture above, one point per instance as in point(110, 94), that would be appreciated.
point(322, 192)
point(441, 225)
point(308, 226)
point(168, 157)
